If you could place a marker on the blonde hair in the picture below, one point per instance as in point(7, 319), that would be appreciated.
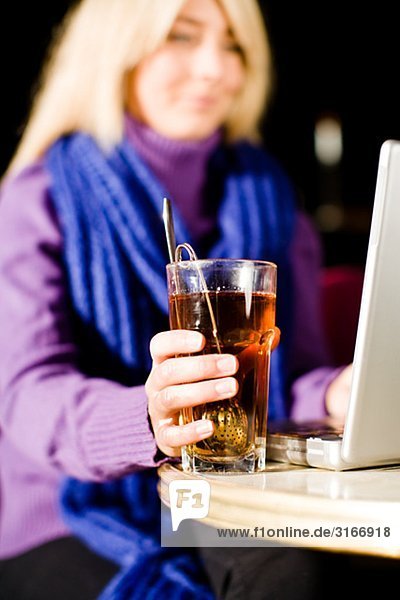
point(100, 41)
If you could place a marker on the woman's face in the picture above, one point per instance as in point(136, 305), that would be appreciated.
point(185, 89)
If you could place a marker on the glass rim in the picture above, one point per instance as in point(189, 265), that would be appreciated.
point(205, 261)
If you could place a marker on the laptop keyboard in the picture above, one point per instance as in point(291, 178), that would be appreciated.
point(305, 429)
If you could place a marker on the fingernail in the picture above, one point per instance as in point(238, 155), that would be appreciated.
point(226, 364)
point(195, 341)
point(204, 428)
point(225, 386)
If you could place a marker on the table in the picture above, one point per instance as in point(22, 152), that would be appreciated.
point(343, 511)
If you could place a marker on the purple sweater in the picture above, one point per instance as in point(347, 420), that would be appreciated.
point(54, 421)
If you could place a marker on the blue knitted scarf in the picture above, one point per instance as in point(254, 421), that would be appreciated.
point(109, 208)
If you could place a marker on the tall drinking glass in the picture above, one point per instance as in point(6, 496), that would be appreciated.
point(232, 303)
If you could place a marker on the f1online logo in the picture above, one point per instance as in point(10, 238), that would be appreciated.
point(189, 499)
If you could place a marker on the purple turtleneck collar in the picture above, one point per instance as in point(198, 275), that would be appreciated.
point(181, 166)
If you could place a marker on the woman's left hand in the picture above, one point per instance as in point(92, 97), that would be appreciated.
point(338, 394)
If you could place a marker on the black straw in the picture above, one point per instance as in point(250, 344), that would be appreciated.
point(169, 229)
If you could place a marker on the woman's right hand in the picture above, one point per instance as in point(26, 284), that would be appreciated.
point(177, 383)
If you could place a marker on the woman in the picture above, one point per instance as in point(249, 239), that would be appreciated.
point(138, 100)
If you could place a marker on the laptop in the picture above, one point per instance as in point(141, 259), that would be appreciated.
point(371, 433)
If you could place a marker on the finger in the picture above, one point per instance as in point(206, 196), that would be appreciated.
point(276, 338)
point(175, 436)
point(189, 369)
point(176, 397)
point(167, 344)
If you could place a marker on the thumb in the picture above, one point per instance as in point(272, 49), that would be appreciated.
point(276, 338)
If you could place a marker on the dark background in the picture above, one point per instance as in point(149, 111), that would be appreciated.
point(337, 58)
